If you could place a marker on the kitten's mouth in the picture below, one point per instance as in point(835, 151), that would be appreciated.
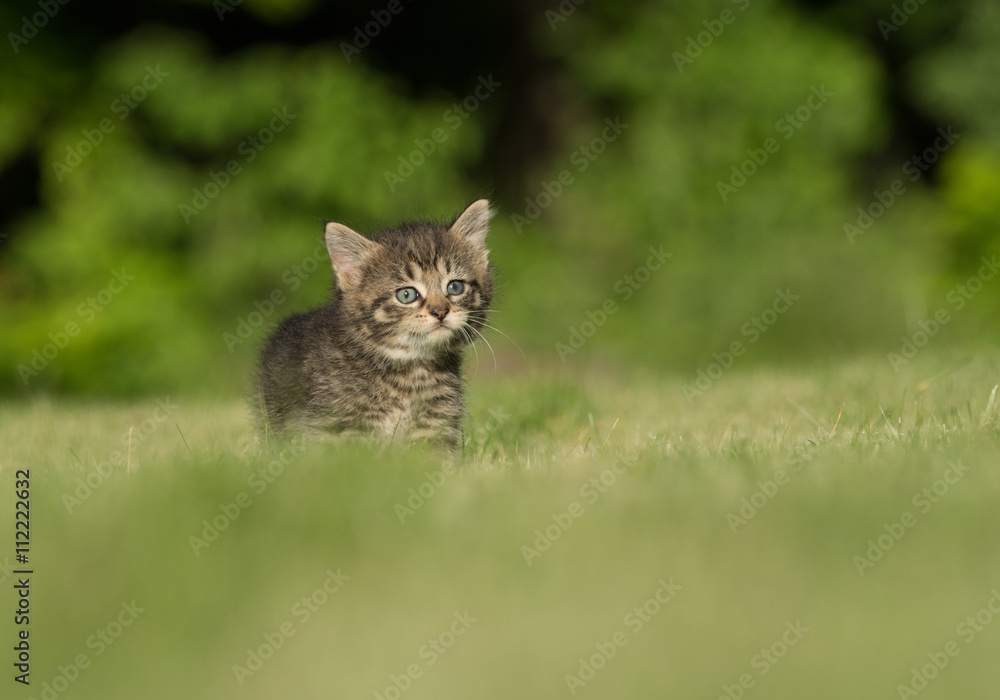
point(437, 333)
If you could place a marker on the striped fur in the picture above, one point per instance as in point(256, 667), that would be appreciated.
point(366, 363)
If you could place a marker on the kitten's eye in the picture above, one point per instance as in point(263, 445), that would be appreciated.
point(456, 287)
point(407, 295)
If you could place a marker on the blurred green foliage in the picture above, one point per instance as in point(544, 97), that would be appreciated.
point(219, 255)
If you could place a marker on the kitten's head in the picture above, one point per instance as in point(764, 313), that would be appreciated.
point(418, 291)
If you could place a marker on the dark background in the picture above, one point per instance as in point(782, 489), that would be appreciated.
point(562, 71)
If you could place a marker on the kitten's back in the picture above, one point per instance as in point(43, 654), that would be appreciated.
point(281, 382)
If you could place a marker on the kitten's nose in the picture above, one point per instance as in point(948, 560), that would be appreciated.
point(439, 312)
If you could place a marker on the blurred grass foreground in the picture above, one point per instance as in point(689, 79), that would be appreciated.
point(827, 533)
point(736, 436)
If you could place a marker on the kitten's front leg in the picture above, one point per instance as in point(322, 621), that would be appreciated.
point(442, 428)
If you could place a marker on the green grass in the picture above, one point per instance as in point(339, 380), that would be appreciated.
point(856, 441)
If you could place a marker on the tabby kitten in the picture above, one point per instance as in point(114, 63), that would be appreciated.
point(382, 357)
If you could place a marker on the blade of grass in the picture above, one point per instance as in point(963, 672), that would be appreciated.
point(184, 439)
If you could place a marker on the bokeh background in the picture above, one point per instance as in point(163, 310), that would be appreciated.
point(118, 121)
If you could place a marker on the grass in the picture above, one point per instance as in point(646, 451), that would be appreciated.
point(855, 444)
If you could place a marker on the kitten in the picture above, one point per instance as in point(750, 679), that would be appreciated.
point(382, 357)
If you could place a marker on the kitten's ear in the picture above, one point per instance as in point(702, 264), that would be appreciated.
point(348, 251)
point(473, 223)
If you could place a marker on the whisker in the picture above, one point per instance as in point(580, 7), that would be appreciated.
point(471, 343)
point(480, 316)
point(487, 345)
point(494, 328)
